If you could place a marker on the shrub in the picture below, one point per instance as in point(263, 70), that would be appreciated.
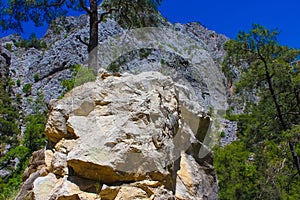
point(36, 77)
point(18, 82)
point(8, 46)
point(19, 98)
point(222, 134)
point(32, 42)
point(144, 53)
point(80, 75)
point(27, 88)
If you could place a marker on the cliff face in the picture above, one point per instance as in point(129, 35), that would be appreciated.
point(146, 135)
point(124, 137)
point(44, 69)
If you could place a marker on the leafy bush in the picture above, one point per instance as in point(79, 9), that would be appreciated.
point(222, 134)
point(114, 67)
point(144, 53)
point(36, 77)
point(80, 75)
point(27, 88)
point(8, 46)
point(19, 98)
point(18, 82)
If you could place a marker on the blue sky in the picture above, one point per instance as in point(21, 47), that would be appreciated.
point(229, 17)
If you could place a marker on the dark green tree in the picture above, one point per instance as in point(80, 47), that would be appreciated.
point(266, 77)
point(14, 12)
point(8, 118)
point(32, 140)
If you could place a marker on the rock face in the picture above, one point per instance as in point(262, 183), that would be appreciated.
point(44, 69)
point(124, 137)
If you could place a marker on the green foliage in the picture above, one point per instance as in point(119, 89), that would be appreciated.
point(32, 42)
point(27, 88)
point(9, 133)
point(80, 75)
point(8, 46)
point(268, 88)
point(134, 14)
point(10, 82)
point(8, 118)
point(114, 67)
point(236, 174)
point(14, 13)
point(222, 134)
point(34, 139)
point(18, 82)
point(11, 183)
point(144, 53)
point(246, 175)
point(36, 77)
point(69, 84)
point(19, 98)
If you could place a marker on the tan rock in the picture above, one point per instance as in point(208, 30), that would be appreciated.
point(89, 196)
point(150, 187)
point(64, 190)
point(39, 165)
point(109, 193)
point(192, 181)
point(132, 193)
point(48, 159)
point(64, 146)
point(124, 137)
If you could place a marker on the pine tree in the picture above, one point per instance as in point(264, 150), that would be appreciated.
point(14, 12)
point(268, 87)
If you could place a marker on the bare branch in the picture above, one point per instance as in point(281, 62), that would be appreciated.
point(84, 7)
point(81, 40)
point(101, 18)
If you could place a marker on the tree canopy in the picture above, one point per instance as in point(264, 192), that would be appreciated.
point(266, 77)
point(130, 13)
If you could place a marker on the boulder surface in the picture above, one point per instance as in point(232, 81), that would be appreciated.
point(124, 137)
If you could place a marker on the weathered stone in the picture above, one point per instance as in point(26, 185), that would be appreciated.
point(133, 103)
point(133, 137)
point(43, 186)
point(59, 164)
point(86, 185)
point(127, 192)
point(64, 190)
point(64, 145)
point(109, 193)
point(192, 180)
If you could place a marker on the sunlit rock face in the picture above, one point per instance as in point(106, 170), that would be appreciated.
point(124, 137)
point(141, 136)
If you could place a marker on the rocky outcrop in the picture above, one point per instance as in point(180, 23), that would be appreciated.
point(44, 69)
point(124, 137)
point(5, 61)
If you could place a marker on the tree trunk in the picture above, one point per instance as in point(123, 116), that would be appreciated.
point(93, 40)
point(280, 116)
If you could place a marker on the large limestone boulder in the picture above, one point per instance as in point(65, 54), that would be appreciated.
point(126, 137)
